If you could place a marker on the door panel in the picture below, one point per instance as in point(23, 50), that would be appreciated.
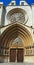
point(20, 55)
point(12, 55)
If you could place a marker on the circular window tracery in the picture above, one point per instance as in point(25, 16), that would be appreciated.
point(17, 15)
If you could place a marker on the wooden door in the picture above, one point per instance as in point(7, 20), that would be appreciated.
point(20, 55)
point(12, 55)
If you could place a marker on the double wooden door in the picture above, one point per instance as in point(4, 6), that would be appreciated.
point(19, 53)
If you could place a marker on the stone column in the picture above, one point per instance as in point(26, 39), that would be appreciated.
point(3, 16)
point(2, 22)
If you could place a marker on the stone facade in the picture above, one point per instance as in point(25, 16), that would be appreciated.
point(6, 22)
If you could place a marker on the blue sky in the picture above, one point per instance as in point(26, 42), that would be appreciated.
point(6, 2)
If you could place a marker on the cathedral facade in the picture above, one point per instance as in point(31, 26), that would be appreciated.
point(16, 32)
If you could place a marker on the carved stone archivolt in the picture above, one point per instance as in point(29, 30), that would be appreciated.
point(14, 31)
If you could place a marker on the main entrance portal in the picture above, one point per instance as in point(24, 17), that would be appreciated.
point(13, 42)
point(16, 54)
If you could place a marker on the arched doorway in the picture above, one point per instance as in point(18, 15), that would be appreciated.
point(16, 54)
point(9, 35)
point(16, 51)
